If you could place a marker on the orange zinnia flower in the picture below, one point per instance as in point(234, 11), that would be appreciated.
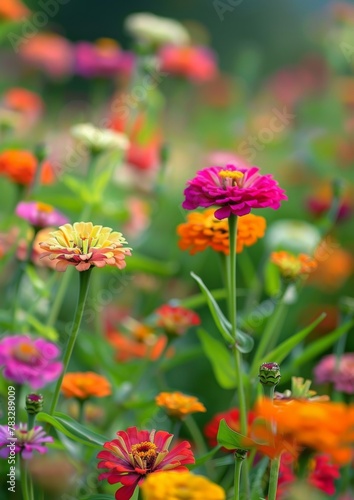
point(295, 425)
point(291, 266)
point(179, 405)
point(20, 166)
point(203, 230)
point(23, 100)
point(83, 385)
point(335, 266)
point(13, 10)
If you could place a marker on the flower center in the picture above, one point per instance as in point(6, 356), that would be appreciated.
point(44, 207)
point(26, 352)
point(144, 454)
point(231, 177)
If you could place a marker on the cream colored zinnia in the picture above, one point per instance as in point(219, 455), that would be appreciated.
point(84, 245)
point(156, 30)
point(98, 140)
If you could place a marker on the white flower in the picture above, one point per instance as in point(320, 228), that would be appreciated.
point(292, 235)
point(156, 30)
point(99, 139)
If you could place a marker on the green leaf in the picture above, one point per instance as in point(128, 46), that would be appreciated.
point(46, 331)
point(141, 263)
point(79, 430)
point(279, 353)
point(272, 282)
point(222, 324)
point(220, 358)
point(78, 187)
point(84, 437)
point(244, 342)
point(39, 285)
point(205, 458)
point(229, 438)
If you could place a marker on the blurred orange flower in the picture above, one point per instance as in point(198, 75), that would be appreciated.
point(83, 385)
point(296, 425)
point(334, 267)
point(37, 250)
point(193, 62)
point(13, 10)
point(203, 230)
point(179, 405)
point(23, 100)
point(291, 266)
point(20, 166)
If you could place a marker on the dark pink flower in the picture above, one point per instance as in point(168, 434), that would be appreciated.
point(102, 59)
point(39, 214)
point(135, 454)
point(29, 361)
point(339, 372)
point(25, 442)
point(236, 190)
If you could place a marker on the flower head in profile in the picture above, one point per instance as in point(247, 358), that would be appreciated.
point(20, 167)
point(84, 385)
point(231, 417)
point(235, 190)
point(198, 64)
point(40, 215)
point(338, 371)
point(175, 320)
point(97, 140)
point(154, 30)
point(26, 442)
point(291, 266)
point(84, 245)
point(135, 454)
point(29, 361)
point(180, 486)
point(203, 230)
point(179, 405)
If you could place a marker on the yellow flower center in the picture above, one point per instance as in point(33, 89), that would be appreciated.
point(232, 175)
point(26, 352)
point(44, 207)
point(144, 454)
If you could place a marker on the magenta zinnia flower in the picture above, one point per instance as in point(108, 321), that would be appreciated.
point(39, 214)
point(29, 361)
point(103, 59)
point(135, 454)
point(24, 442)
point(236, 190)
point(339, 372)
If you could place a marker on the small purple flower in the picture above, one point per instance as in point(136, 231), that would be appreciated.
point(24, 441)
point(341, 374)
point(236, 190)
point(40, 215)
point(29, 361)
point(102, 59)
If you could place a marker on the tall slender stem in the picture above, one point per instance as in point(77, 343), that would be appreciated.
point(24, 479)
point(237, 478)
point(273, 479)
point(84, 285)
point(59, 296)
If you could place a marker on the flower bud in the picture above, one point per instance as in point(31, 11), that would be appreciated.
point(269, 374)
point(34, 403)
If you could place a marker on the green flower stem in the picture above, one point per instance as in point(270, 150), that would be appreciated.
point(269, 391)
point(273, 479)
point(84, 286)
point(31, 417)
point(271, 332)
point(81, 403)
point(197, 436)
point(177, 428)
point(24, 480)
point(237, 476)
point(59, 296)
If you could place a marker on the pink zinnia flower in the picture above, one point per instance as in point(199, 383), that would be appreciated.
point(29, 361)
point(236, 190)
point(26, 442)
point(39, 214)
point(176, 320)
point(339, 372)
point(135, 454)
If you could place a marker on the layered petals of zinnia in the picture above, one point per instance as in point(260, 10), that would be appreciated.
point(292, 266)
point(136, 454)
point(83, 385)
point(179, 405)
point(39, 214)
point(236, 190)
point(180, 486)
point(26, 442)
point(84, 245)
point(175, 320)
point(202, 230)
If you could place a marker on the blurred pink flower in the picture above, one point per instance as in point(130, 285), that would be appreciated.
point(339, 372)
point(39, 214)
point(220, 157)
point(235, 190)
point(29, 361)
point(102, 59)
point(26, 442)
point(192, 62)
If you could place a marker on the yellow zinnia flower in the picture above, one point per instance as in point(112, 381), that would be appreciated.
point(180, 486)
point(179, 405)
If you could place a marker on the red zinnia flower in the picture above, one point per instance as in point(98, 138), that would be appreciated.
point(236, 190)
point(175, 320)
point(135, 454)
